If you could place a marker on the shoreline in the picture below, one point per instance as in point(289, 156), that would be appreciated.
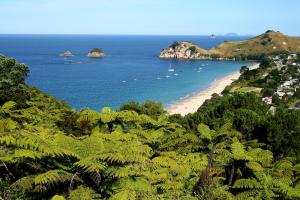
point(192, 103)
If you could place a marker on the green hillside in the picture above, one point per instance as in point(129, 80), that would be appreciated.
point(269, 42)
point(231, 148)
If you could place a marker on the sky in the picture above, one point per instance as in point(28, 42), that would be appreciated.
point(149, 17)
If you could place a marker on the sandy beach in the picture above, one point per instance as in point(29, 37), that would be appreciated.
point(192, 103)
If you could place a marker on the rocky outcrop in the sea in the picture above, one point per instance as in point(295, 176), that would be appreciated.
point(184, 50)
point(67, 54)
point(96, 53)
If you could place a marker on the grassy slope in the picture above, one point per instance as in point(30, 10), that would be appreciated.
point(264, 43)
point(267, 43)
point(198, 49)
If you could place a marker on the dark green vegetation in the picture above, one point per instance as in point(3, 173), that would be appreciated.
point(96, 50)
point(231, 148)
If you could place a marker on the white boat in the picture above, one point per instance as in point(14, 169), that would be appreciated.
point(158, 78)
point(202, 65)
point(123, 81)
point(175, 74)
point(167, 76)
point(170, 69)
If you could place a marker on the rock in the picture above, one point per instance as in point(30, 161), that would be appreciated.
point(67, 54)
point(184, 50)
point(96, 53)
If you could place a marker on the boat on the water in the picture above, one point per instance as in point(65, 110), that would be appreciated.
point(170, 69)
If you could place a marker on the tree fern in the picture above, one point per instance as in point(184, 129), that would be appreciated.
point(6, 108)
point(83, 193)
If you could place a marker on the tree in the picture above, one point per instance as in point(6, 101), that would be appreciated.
point(265, 62)
point(244, 69)
point(149, 108)
point(12, 81)
point(267, 92)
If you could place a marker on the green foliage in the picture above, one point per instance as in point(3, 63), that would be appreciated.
point(83, 193)
point(149, 108)
point(244, 69)
point(265, 61)
point(231, 148)
point(97, 50)
point(12, 80)
point(193, 49)
point(174, 45)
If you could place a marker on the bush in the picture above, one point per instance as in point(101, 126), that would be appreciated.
point(244, 69)
point(267, 92)
point(96, 50)
point(193, 49)
point(174, 45)
point(265, 62)
point(153, 109)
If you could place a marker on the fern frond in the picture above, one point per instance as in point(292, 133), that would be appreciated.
point(91, 165)
point(25, 184)
point(247, 184)
point(58, 197)
point(51, 178)
point(7, 125)
point(205, 131)
point(124, 195)
point(238, 151)
point(83, 193)
point(255, 166)
point(7, 107)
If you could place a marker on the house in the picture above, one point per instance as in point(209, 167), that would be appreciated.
point(280, 94)
point(267, 100)
point(272, 110)
point(292, 56)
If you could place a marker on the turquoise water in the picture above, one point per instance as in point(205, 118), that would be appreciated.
point(130, 71)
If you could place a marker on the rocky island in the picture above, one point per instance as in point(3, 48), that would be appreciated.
point(268, 43)
point(67, 54)
point(96, 53)
point(184, 50)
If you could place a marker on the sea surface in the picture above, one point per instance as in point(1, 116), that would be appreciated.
point(131, 71)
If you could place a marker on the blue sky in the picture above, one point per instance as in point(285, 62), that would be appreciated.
point(159, 17)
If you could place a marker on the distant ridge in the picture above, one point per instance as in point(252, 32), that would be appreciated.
point(231, 34)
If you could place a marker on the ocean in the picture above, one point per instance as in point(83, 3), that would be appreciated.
point(131, 71)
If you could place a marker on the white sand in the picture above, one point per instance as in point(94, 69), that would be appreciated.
point(191, 104)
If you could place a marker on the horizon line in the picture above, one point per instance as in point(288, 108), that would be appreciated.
point(112, 34)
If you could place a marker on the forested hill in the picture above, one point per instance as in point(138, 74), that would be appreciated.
point(233, 147)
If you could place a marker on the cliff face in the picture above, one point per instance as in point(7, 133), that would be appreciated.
point(184, 50)
point(95, 55)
